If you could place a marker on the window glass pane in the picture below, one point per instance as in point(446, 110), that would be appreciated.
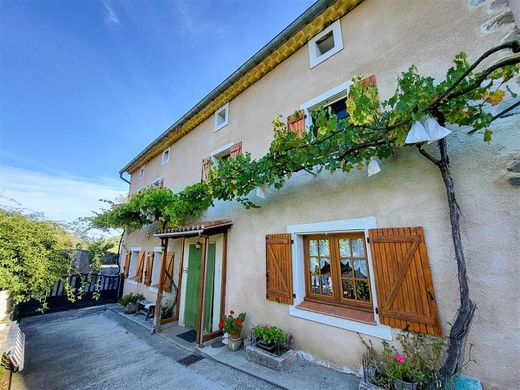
point(313, 247)
point(326, 285)
point(324, 248)
point(346, 267)
point(363, 293)
point(325, 265)
point(313, 265)
point(360, 267)
point(358, 249)
point(344, 248)
point(348, 289)
point(315, 284)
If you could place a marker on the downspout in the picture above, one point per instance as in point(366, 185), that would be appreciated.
point(122, 178)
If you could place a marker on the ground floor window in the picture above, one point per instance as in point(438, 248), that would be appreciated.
point(336, 269)
point(134, 260)
point(156, 268)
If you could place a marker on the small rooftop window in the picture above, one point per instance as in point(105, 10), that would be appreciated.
point(165, 156)
point(141, 173)
point(325, 44)
point(222, 117)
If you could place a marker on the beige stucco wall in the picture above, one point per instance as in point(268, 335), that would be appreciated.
point(382, 38)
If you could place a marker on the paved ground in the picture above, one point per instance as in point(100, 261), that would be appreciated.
point(98, 349)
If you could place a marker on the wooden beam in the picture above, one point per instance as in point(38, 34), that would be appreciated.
point(201, 290)
point(157, 314)
point(179, 286)
point(223, 278)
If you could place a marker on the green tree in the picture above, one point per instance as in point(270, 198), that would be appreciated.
point(34, 254)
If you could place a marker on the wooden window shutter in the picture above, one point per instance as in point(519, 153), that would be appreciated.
point(149, 269)
point(126, 267)
point(235, 150)
point(296, 123)
point(279, 268)
point(371, 80)
point(167, 276)
point(405, 295)
point(206, 167)
point(140, 267)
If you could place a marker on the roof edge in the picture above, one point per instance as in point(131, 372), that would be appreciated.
point(319, 7)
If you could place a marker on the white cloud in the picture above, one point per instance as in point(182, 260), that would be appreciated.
point(59, 197)
point(110, 14)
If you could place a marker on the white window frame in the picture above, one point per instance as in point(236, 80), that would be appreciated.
point(157, 260)
point(156, 182)
point(141, 173)
point(222, 151)
point(224, 108)
point(331, 96)
point(167, 152)
point(298, 267)
point(314, 57)
point(134, 250)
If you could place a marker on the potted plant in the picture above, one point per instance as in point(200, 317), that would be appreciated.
point(233, 327)
point(129, 302)
point(268, 337)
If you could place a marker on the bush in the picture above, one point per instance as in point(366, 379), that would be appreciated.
point(269, 334)
point(130, 298)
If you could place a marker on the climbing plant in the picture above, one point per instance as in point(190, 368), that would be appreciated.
point(371, 130)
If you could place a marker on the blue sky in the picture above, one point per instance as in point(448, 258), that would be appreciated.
point(86, 84)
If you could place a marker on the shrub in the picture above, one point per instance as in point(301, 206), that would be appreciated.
point(130, 298)
point(269, 334)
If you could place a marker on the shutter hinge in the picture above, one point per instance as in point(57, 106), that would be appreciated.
point(377, 310)
point(368, 240)
point(292, 241)
point(294, 296)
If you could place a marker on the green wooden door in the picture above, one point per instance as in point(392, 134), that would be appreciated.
point(210, 288)
point(191, 302)
point(192, 287)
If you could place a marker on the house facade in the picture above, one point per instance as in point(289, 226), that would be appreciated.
point(322, 256)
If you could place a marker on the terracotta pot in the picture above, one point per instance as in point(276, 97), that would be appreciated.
point(235, 336)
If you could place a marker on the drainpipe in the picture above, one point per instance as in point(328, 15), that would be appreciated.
point(122, 178)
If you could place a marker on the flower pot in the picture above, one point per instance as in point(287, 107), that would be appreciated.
point(235, 336)
point(130, 308)
point(234, 344)
point(403, 385)
point(266, 347)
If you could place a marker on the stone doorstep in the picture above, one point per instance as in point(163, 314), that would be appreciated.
point(266, 359)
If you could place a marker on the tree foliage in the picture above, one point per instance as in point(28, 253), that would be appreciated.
point(34, 254)
point(462, 98)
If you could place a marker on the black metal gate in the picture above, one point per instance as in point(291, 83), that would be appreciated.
point(96, 289)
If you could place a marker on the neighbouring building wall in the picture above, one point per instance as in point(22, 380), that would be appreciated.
point(381, 38)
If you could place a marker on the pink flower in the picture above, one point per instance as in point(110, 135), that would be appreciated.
point(399, 358)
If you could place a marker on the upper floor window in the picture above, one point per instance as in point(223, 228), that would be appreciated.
point(141, 173)
point(222, 117)
point(336, 269)
point(325, 44)
point(165, 156)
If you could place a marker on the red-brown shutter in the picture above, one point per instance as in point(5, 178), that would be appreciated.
point(371, 80)
point(206, 166)
point(149, 269)
point(405, 295)
point(167, 276)
point(140, 268)
point(235, 150)
point(296, 123)
point(279, 268)
point(126, 267)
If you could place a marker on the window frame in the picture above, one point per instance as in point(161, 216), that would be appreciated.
point(335, 271)
point(219, 126)
point(325, 99)
point(297, 232)
point(168, 151)
point(315, 58)
point(134, 259)
point(221, 153)
point(140, 176)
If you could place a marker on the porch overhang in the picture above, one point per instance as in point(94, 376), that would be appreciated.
point(195, 229)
